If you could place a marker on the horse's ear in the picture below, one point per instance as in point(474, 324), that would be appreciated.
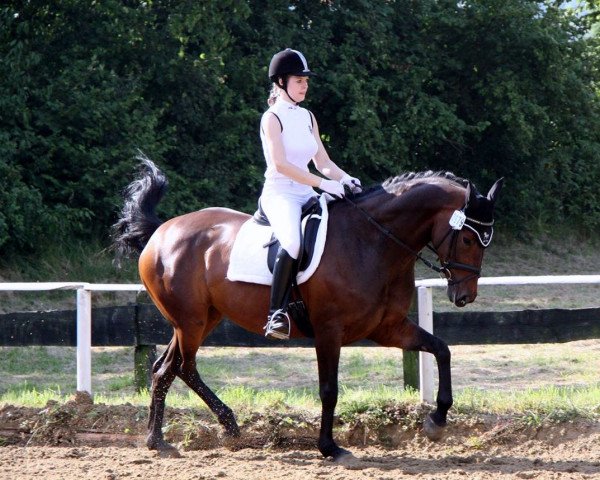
point(470, 194)
point(495, 190)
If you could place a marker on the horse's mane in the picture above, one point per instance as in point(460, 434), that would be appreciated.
point(405, 181)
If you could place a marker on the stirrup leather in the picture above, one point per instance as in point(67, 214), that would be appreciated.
point(278, 325)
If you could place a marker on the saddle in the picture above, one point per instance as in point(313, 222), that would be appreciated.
point(310, 218)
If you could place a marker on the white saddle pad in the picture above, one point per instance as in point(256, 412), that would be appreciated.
point(248, 262)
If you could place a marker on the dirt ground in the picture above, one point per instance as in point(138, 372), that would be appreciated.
point(80, 440)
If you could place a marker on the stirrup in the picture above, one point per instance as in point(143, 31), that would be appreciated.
point(278, 325)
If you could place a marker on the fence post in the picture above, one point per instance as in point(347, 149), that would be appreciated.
point(426, 359)
point(144, 358)
point(84, 340)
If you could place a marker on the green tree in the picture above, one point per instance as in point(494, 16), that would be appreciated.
point(525, 72)
point(76, 110)
point(483, 88)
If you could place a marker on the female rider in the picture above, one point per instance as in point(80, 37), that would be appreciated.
point(290, 140)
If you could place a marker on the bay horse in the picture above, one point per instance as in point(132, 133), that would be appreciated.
point(362, 289)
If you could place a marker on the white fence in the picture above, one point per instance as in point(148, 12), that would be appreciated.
point(425, 305)
point(84, 317)
point(425, 309)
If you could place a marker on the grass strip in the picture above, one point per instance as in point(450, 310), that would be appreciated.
point(532, 406)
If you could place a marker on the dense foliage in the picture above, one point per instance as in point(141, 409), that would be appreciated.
point(484, 88)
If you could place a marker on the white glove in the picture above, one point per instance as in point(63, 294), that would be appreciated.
point(352, 183)
point(332, 187)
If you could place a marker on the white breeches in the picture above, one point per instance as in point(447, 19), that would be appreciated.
point(283, 206)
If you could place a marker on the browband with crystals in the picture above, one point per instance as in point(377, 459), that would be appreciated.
point(478, 222)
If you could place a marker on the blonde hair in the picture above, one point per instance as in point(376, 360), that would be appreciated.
point(273, 94)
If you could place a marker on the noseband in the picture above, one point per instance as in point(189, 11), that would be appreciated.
point(445, 270)
point(449, 265)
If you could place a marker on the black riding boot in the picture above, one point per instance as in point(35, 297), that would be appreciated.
point(278, 322)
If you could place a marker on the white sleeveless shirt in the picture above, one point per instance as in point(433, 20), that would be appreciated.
point(298, 142)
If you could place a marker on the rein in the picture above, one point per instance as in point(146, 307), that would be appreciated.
point(445, 266)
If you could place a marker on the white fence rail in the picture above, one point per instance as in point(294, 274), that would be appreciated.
point(425, 308)
point(425, 304)
point(84, 317)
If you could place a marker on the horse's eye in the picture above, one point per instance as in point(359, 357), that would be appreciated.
point(467, 241)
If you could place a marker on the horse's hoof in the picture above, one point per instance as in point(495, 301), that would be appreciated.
point(347, 460)
point(170, 452)
point(434, 432)
point(342, 456)
point(163, 449)
point(228, 422)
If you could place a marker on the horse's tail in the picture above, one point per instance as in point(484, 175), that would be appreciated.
point(137, 219)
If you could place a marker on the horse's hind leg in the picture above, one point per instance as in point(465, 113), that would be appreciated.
point(160, 360)
point(163, 374)
point(188, 345)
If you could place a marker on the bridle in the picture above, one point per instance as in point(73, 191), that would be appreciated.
point(446, 267)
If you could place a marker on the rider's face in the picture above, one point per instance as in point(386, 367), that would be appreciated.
point(297, 87)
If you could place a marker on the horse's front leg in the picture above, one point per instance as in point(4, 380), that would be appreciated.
point(412, 337)
point(328, 358)
point(435, 422)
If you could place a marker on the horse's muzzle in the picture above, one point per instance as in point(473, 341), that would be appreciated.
point(459, 298)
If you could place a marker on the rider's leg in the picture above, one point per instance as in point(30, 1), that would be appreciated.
point(278, 322)
point(284, 213)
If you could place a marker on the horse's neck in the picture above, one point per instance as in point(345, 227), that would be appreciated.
point(407, 218)
point(352, 231)
point(387, 260)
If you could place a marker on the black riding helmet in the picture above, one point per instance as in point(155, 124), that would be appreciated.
point(288, 62)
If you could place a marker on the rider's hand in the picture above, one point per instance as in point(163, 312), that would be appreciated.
point(332, 187)
point(352, 183)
